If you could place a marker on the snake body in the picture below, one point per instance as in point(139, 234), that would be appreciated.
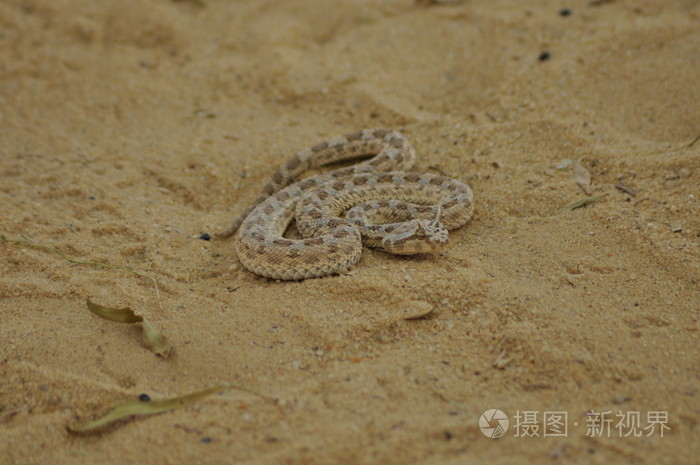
point(384, 205)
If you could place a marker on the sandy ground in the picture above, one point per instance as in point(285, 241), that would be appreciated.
point(130, 127)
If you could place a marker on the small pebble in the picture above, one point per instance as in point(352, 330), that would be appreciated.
point(206, 440)
point(144, 398)
point(544, 56)
point(564, 12)
point(205, 236)
point(676, 228)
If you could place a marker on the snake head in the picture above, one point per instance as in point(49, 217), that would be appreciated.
point(417, 237)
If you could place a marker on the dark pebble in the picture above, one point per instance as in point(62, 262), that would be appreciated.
point(206, 440)
point(205, 236)
point(144, 398)
point(564, 12)
point(544, 56)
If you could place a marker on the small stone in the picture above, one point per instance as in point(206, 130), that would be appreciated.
point(564, 12)
point(676, 228)
point(205, 236)
point(564, 164)
point(544, 56)
point(144, 398)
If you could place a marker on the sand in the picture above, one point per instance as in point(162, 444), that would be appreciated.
point(129, 128)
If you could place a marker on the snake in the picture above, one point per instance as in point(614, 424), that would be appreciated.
point(377, 201)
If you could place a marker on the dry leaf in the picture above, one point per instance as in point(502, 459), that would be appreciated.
point(153, 339)
point(582, 178)
point(416, 309)
point(564, 164)
point(120, 315)
point(584, 201)
point(145, 408)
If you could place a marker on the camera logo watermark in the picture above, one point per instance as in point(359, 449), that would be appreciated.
point(493, 423)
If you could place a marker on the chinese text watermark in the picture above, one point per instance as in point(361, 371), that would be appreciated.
point(494, 423)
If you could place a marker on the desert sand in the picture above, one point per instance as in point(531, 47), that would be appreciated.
point(129, 128)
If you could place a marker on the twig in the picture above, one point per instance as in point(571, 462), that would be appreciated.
point(584, 201)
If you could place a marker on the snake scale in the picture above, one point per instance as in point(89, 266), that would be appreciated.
point(377, 202)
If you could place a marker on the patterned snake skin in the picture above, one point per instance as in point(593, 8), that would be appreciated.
point(384, 207)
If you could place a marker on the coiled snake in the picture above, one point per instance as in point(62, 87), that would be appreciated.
point(385, 206)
